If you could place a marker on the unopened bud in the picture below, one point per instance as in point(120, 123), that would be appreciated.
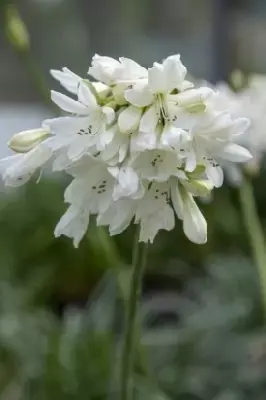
point(197, 173)
point(23, 142)
point(118, 93)
point(90, 86)
point(196, 108)
point(16, 30)
point(102, 90)
point(238, 80)
point(199, 187)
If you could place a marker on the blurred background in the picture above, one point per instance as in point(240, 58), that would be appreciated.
point(61, 310)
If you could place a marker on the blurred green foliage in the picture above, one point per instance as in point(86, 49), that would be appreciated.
point(202, 323)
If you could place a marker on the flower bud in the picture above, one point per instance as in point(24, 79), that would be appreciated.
point(104, 69)
point(23, 142)
point(16, 30)
point(200, 187)
point(101, 89)
point(196, 108)
point(118, 93)
point(238, 80)
point(197, 173)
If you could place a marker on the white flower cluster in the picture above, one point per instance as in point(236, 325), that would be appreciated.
point(251, 103)
point(139, 143)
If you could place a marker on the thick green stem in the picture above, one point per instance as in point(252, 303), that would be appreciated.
point(255, 233)
point(129, 348)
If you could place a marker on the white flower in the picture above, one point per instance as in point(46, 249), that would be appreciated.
point(18, 169)
point(73, 224)
point(211, 138)
point(93, 191)
point(68, 79)
point(162, 80)
point(85, 129)
point(71, 81)
point(249, 102)
point(117, 149)
point(194, 223)
point(157, 165)
point(111, 72)
point(154, 212)
point(118, 216)
point(155, 208)
point(168, 104)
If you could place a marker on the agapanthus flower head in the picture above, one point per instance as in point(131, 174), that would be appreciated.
point(140, 145)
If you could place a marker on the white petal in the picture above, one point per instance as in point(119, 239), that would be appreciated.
point(123, 149)
point(174, 72)
point(77, 148)
point(157, 78)
point(191, 161)
point(68, 104)
point(105, 69)
point(149, 120)
point(67, 125)
point(234, 152)
point(190, 97)
point(68, 79)
point(128, 184)
point(129, 119)
point(215, 174)
point(18, 169)
point(171, 136)
point(132, 70)
point(77, 193)
point(122, 221)
point(143, 141)
point(241, 125)
point(194, 223)
point(86, 97)
point(104, 138)
point(61, 162)
point(73, 224)
point(185, 85)
point(150, 226)
point(234, 174)
point(139, 95)
point(118, 216)
point(176, 198)
point(156, 165)
point(109, 114)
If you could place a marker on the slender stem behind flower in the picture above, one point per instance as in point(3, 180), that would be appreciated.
point(18, 37)
point(139, 258)
point(255, 233)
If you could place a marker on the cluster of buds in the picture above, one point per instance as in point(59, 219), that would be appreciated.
point(140, 144)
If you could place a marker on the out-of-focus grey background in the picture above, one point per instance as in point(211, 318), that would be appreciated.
point(61, 309)
point(213, 37)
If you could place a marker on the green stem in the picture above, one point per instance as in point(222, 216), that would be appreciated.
point(38, 79)
point(139, 262)
point(255, 233)
point(17, 35)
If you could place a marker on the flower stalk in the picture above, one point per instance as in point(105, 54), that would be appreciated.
point(127, 362)
point(255, 232)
